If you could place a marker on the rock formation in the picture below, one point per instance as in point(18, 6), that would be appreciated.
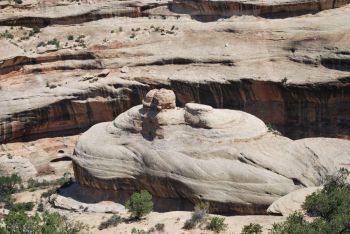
point(37, 158)
point(292, 72)
point(291, 202)
point(16, 165)
point(226, 157)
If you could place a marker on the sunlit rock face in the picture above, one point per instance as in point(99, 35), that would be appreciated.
point(292, 72)
point(226, 157)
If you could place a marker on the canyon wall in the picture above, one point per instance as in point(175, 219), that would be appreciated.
point(90, 62)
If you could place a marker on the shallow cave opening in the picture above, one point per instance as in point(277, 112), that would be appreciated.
point(64, 158)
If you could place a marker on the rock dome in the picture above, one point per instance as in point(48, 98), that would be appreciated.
point(225, 157)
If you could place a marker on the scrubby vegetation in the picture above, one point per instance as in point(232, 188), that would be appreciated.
point(160, 227)
point(34, 31)
point(12, 184)
point(48, 223)
point(138, 231)
point(113, 221)
point(18, 221)
point(6, 34)
point(54, 42)
point(217, 224)
point(8, 186)
point(64, 181)
point(139, 204)
point(252, 228)
point(330, 208)
point(199, 216)
point(21, 206)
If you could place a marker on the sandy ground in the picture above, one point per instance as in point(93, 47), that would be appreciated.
point(173, 221)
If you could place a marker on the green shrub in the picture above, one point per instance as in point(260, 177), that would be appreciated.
point(58, 224)
point(54, 42)
point(113, 221)
point(34, 31)
point(6, 34)
point(50, 223)
point(64, 181)
point(137, 231)
point(22, 206)
point(330, 207)
point(252, 228)
point(160, 227)
point(40, 207)
point(296, 224)
point(189, 224)
point(49, 192)
point(33, 184)
point(20, 222)
point(9, 185)
point(217, 224)
point(139, 204)
point(41, 44)
point(70, 37)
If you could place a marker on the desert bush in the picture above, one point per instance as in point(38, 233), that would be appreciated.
point(48, 193)
point(22, 206)
point(34, 184)
point(330, 208)
point(49, 223)
point(41, 44)
point(252, 228)
point(64, 181)
point(217, 224)
point(199, 215)
point(54, 42)
point(139, 204)
point(10, 184)
point(34, 31)
point(160, 227)
point(40, 207)
point(138, 231)
point(70, 37)
point(6, 34)
point(113, 221)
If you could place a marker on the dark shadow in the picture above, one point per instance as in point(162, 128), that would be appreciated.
point(341, 64)
point(227, 9)
point(92, 195)
point(149, 125)
point(64, 158)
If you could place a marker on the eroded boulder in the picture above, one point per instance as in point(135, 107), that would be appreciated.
point(226, 157)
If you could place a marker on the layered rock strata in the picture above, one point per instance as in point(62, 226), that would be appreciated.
point(226, 157)
point(92, 62)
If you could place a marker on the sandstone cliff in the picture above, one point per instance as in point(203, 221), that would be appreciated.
point(292, 72)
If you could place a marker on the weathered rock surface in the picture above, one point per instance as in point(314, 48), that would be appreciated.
point(291, 72)
point(291, 202)
point(46, 157)
point(197, 153)
point(214, 9)
point(16, 165)
point(73, 205)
